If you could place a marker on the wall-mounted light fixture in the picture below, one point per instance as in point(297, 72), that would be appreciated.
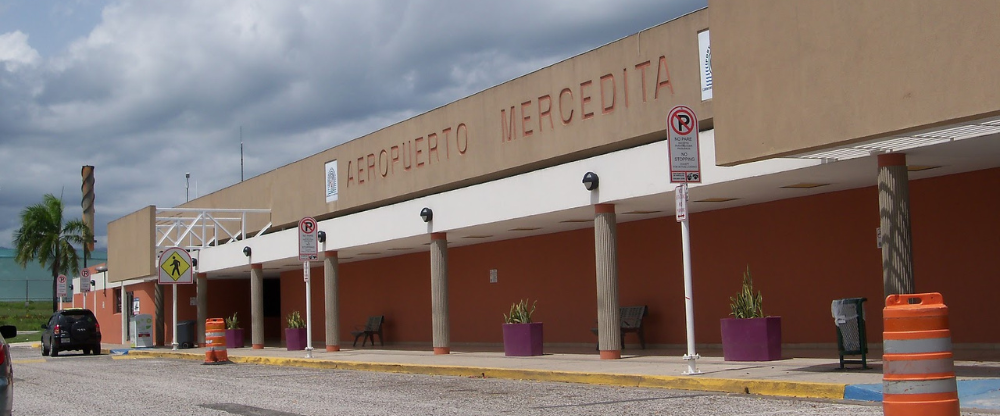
point(590, 181)
point(426, 214)
point(246, 251)
point(194, 262)
point(321, 236)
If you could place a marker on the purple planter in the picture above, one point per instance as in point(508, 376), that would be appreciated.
point(295, 339)
point(522, 339)
point(754, 339)
point(234, 338)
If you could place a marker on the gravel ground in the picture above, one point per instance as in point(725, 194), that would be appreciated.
point(101, 385)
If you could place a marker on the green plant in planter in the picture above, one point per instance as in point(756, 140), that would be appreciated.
point(233, 322)
point(520, 313)
point(295, 320)
point(745, 304)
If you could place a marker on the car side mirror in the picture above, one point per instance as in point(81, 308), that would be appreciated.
point(45, 326)
point(8, 331)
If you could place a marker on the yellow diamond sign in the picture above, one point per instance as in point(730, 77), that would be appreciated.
point(175, 266)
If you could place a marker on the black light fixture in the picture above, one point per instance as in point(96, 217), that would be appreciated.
point(427, 214)
point(246, 251)
point(590, 181)
point(321, 236)
point(93, 283)
point(194, 262)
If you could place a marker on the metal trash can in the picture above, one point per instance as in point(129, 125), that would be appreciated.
point(849, 315)
point(185, 334)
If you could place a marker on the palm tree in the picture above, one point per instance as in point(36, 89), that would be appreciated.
point(44, 237)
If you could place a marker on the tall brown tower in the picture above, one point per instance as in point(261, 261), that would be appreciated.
point(88, 201)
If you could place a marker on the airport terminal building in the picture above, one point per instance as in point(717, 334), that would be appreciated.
point(846, 149)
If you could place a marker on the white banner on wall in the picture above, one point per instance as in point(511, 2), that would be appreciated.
point(705, 58)
point(331, 180)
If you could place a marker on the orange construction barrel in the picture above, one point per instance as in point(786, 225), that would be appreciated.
point(918, 367)
point(215, 341)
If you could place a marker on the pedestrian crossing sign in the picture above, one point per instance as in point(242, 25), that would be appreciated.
point(175, 267)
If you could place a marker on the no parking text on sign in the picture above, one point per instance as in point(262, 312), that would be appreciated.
point(682, 142)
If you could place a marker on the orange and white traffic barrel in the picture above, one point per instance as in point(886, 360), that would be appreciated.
point(215, 341)
point(918, 367)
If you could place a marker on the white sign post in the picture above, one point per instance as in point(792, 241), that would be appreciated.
point(308, 250)
point(84, 284)
point(175, 268)
point(61, 287)
point(685, 166)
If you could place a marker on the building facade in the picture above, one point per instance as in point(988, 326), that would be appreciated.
point(822, 126)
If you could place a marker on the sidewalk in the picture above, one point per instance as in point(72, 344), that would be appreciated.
point(820, 376)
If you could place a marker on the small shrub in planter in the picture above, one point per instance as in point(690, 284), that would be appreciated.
point(295, 332)
point(521, 336)
point(234, 334)
point(749, 335)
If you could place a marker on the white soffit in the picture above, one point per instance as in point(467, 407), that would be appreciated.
point(898, 143)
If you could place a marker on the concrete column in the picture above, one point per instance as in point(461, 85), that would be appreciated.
point(125, 314)
point(331, 301)
point(158, 325)
point(201, 279)
point(894, 221)
point(439, 293)
point(257, 305)
point(609, 340)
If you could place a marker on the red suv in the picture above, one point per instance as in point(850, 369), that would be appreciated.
point(71, 329)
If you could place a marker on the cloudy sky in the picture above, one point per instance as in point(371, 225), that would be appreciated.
point(149, 90)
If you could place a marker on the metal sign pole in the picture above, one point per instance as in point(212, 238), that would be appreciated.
point(691, 356)
point(309, 337)
point(173, 345)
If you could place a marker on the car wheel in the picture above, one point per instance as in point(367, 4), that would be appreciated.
point(96, 350)
point(86, 351)
point(54, 352)
point(45, 350)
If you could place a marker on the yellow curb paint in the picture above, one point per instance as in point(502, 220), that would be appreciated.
point(700, 383)
point(36, 345)
point(129, 357)
point(41, 360)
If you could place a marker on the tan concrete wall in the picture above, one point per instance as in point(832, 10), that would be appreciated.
point(792, 75)
point(613, 97)
point(131, 251)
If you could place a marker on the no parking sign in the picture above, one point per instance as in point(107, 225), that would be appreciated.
point(683, 151)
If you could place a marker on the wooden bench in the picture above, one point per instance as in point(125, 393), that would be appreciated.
point(372, 328)
point(631, 322)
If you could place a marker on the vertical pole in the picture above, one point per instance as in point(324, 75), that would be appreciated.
point(257, 306)
point(441, 332)
point(691, 356)
point(158, 305)
point(609, 340)
point(202, 300)
point(331, 300)
point(125, 314)
point(894, 220)
point(309, 320)
point(173, 345)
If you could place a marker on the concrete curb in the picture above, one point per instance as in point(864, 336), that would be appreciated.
point(721, 385)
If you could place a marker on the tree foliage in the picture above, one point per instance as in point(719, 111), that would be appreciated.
point(46, 237)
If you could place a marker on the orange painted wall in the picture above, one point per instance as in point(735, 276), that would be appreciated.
point(803, 253)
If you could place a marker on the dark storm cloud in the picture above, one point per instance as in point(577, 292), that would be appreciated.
point(158, 89)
